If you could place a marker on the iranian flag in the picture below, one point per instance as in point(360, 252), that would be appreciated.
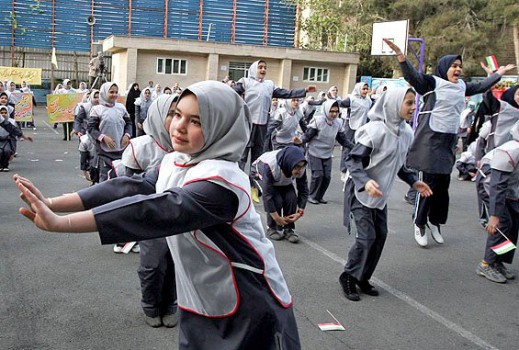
point(492, 63)
point(504, 247)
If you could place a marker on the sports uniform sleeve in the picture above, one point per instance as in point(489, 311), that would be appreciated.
point(422, 83)
point(357, 159)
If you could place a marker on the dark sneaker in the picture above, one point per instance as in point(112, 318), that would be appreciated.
point(509, 275)
point(275, 235)
point(323, 201)
point(291, 235)
point(490, 273)
point(367, 288)
point(348, 284)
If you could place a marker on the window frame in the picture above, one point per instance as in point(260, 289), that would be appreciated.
point(161, 62)
point(311, 74)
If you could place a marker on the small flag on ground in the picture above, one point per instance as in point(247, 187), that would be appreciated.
point(331, 326)
point(492, 62)
point(504, 247)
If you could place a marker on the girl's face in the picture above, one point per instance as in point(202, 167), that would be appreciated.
point(136, 87)
point(95, 100)
point(168, 92)
point(113, 93)
point(12, 87)
point(24, 84)
point(516, 96)
point(3, 113)
point(147, 94)
point(157, 88)
point(408, 106)
point(275, 102)
point(299, 169)
point(1, 86)
point(455, 71)
point(364, 91)
point(334, 112)
point(333, 91)
point(262, 70)
point(69, 85)
point(186, 129)
point(3, 100)
point(295, 103)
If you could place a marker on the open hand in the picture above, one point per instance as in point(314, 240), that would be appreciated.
point(30, 187)
point(504, 69)
point(422, 188)
point(38, 212)
point(109, 141)
point(125, 140)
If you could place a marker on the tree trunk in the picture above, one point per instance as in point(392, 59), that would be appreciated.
point(515, 32)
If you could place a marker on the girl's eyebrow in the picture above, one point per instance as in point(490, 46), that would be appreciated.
point(188, 115)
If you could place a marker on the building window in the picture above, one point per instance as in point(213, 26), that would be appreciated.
point(171, 66)
point(238, 70)
point(315, 74)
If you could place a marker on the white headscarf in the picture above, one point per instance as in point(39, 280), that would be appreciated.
point(153, 125)
point(327, 105)
point(92, 96)
point(103, 94)
point(253, 70)
point(387, 108)
point(225, 119)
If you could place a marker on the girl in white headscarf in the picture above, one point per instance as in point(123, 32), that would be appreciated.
point(373, 163)
point(229, 283)
point(67, 87)
point(82, 88)
point(109, 124)
point(157, 91)
point(141, 109)
point(283, 128)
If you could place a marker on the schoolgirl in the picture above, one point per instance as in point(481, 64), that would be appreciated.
point(82, 88)
point(284, 124)
point(157, 91)
point(141, 109)
point(231, 291)
point(433, 150)
point(156, 270)
point(376, 159)
point(277, 171)
point(258, 93)
point(502, 186)
point(9, 131)
point(109, 125)
point(333, 93)
point(320, 138)
point(90, 99)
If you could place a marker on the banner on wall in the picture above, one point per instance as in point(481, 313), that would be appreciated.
point(31, 76)
point(60, 108)
point(23, 108)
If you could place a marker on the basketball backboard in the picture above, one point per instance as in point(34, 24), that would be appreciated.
point(396, 31)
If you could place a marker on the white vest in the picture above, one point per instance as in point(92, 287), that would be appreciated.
point(112, 124)
point(142, 153)
point(388, 156)
point(450, 100)
point(258, 96)
point(506, 118)
point(204, 274)
point(321, 146)
point(289, 123)
point(506, 158)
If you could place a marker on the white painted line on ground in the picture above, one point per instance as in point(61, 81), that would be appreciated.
point(50, 127)
point(410, 301)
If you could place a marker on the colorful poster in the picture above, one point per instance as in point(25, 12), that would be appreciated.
point(31, 76)
point(23, 107)
point(60, 108)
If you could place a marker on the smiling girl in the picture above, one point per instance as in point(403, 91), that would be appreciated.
point(231, 291)
point(433, 150)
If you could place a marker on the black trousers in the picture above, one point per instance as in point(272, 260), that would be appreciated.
point(254, 147)
point(285, 201)
point(435, 208)
point(509, 225)
point(157, 275)
point(370, 239)
point(321, 176)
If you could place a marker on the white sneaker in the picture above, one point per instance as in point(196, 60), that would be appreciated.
point(136, 248)
point(118, 249)
point(436, 233)
point(419, 236)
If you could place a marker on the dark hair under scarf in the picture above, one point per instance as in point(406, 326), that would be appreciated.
point(444, 64)
point(288, 158)
point(508, 96)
